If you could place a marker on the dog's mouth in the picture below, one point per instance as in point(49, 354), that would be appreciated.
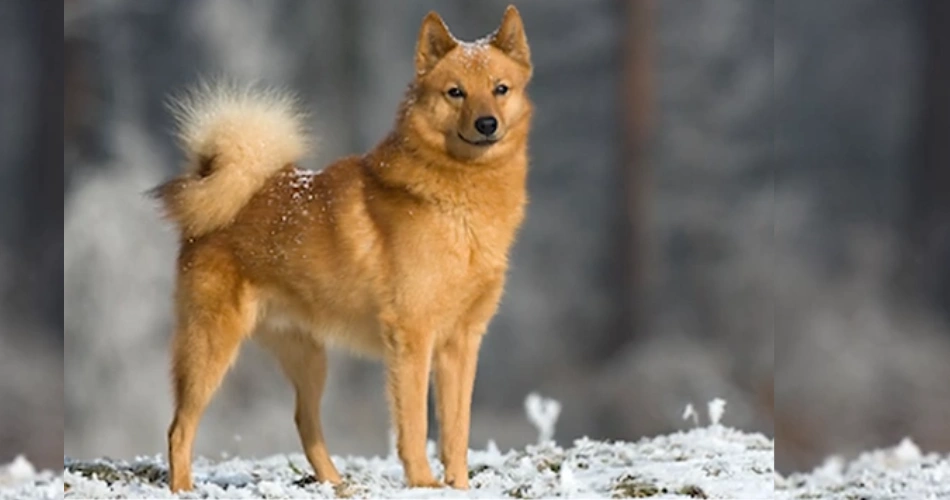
point(480, 142)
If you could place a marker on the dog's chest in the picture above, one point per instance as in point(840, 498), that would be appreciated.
point(447, 253)
point(477, 242)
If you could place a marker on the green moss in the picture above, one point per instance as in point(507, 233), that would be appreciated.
point(629, 486)
point(692, 491)
point(150, 473)
point(306, 479)
point(478, 469)
point(97, 470)
point(518, 492)
point(549, 464)
point(147, 473)
point(294, 468)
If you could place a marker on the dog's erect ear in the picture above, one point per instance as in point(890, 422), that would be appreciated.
point(434, 42)
point(510, 37)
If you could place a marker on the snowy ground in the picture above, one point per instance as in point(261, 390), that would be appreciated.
point(711, 461)
point(705, 462)
point(902, 472)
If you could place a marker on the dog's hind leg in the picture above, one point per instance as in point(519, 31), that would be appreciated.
point(216, 310)
point(304, 362)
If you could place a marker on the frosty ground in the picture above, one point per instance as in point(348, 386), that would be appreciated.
point(901, 472)
point(709, 461)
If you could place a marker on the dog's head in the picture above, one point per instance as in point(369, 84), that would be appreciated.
point(469, 98)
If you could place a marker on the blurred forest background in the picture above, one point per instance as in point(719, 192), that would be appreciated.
point(730, 198)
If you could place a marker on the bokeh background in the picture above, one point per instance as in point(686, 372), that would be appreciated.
point(730, 198)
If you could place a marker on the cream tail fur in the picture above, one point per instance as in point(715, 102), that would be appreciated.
point(234, 139)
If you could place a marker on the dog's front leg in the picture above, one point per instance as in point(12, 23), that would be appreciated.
point(408, 359)
point(455, 365)
point(456, 360)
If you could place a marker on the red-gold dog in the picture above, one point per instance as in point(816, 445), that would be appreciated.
point(400, 253)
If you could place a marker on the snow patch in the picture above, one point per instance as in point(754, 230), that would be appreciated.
point(18, 470)
point(19, 479)
point(899, 472)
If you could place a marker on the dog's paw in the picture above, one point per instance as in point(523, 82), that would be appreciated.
point(459, 483)
point(426, 483)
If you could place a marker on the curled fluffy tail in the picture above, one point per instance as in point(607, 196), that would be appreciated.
point(234, 139)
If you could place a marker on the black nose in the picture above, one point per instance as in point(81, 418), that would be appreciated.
point(486, 125)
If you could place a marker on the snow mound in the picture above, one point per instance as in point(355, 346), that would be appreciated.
point(18, 479)
point(707, 462)
point(899, 472)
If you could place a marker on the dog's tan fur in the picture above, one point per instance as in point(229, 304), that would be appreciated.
point(399, 254)
point(246, 136)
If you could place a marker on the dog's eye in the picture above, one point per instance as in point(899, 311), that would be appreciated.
point(501, 89)
point(455, 93)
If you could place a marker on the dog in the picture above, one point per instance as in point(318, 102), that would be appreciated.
point(399, 254)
